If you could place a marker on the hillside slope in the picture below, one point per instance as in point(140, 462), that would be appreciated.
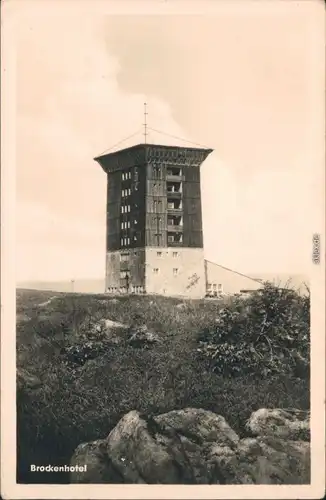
point(84, 361)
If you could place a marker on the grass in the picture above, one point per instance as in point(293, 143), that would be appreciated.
point(81, 403)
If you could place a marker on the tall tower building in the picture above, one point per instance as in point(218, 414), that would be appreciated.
point(154, 238)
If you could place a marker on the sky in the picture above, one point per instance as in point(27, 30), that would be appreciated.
point(246, 83)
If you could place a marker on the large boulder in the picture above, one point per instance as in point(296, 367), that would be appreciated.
point(169, 449)
point(98, 465)
point(190, 446)
point(265, 461)
point(279, 423)
point(106, 328)
point(97, 328)
point(140, 336)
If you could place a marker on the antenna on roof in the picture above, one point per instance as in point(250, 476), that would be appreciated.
point(145, 121)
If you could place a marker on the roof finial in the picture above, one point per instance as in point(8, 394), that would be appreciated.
point(145, 121)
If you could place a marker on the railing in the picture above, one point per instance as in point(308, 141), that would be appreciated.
point(175, 227)
point(174, 209)
point(174, 243)
point(175, 178)
point(174, 194)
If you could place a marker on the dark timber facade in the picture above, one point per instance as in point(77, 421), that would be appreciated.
point(154, 220)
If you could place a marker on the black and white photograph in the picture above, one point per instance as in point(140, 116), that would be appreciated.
point(163, 185)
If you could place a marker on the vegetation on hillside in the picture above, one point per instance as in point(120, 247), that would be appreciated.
point(231, 356)
point(267, 334)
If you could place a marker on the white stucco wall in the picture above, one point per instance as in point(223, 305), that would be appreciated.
point(175, 271)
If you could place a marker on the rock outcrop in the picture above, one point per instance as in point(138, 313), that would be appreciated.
point(140, 336)
point(194, 446)
point(284, 424)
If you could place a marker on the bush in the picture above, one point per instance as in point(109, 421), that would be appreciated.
point(265, 334)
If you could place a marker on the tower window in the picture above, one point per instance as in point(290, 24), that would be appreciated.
point(174, 204)
point(123, 176)
point(122, 209)
point(175, 254)
point(174, 237)
point(121, 242)
point(129, 191)
point(175, 271)
point(155, 270)
point(159, 254)
point(128, 241)
point(174, 171)
point(128, 208)
point(173, 187)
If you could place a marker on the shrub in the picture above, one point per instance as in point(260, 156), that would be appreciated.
point(264, 334)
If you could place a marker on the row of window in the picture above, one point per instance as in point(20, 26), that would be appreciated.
point(124, 257)
point(174, 254)
point(172, 237)
point(214, 287)
point(123, 289)
point(125, 242)
point(125, 224)
point(157, 205)
point(126, 175)
point(126, 192)
point(175, 270)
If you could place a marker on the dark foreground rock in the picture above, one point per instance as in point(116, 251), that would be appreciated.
point(191, 446)
point(284, 424)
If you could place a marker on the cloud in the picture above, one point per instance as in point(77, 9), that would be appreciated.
point(70, 109)
point(255, 107)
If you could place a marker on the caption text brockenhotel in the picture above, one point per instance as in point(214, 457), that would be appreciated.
point(58, 468)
